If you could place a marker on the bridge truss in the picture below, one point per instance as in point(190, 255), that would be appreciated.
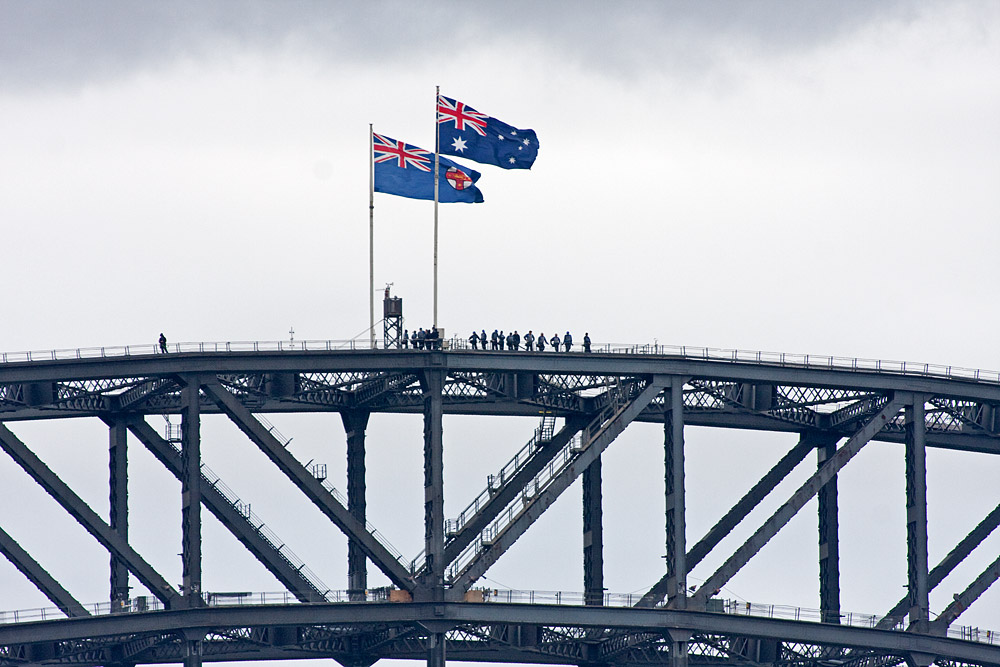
point(434, 609)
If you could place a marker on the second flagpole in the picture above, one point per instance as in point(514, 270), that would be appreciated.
point(437, 174)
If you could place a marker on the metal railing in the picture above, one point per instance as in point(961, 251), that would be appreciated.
point(497, 596)
point(539, 483)
point(261, 528)
point(543, 433)
point(781, 359)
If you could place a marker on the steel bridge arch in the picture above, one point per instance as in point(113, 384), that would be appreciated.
point(836, 406)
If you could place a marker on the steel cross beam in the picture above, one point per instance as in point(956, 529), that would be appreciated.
point(735, 515)
point(82, 512)
point(965, 598)
point(40, 577)
point(309, 485)
point(954, 558)
point(783, 515)
point(239, 525)
point(510, 488)
point(604, 436)
point(293, 631)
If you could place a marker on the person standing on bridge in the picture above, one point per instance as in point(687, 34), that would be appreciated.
point(568, 341)
point(482, 339)
point(406, 338)
point(474, 340)
point(555, 342)
point(517, 340)
point(529, 341)
point(586, 342)
point(541, 341)
point(163, 343)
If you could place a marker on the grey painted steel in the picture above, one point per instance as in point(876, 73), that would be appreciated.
point(355, 423)
point(415, 361)
point(679, 647)
point(735, 515)
point(433, 575)
point(947, 565)
point(960, 414)
point(118, 507)
point(191, 494)
point(916, 516)
point(784, 513)
point(983, 435)
point(829, 539)
point(604, 437)
point(82, 512)
point(499, 500)
point(238, 524)
point(436, 650)
point(40, 577)
point(962, 600)
point(593, 535)
point(658, 620)
point(676, 541)
point(308, 484)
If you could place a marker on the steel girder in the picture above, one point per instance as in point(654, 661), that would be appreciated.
point(494, 632)
point(959, 414)
point(234, 518)
point(309, 485)
point(784, 514)
point(40, 577)
point(82, 512)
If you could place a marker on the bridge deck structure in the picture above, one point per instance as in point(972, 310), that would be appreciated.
point(434, 608)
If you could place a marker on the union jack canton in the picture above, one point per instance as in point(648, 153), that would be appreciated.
point(407, 171)
point(467, 133)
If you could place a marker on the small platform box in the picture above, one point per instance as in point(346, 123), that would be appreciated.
point(396, 595)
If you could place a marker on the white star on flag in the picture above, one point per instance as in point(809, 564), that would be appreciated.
point(458, 144)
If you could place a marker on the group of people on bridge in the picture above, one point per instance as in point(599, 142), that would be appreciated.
point(512, 341)
point(424, 339)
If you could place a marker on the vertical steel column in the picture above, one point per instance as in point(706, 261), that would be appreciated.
point(829, 539)
point(194, 643)
point(673, 457)
point(434, 487)
point(593, 535)
point(679, 647)
point(435, 649)
point(191, 495)
point(916, 515)
point(118, 503)
point(355, 423)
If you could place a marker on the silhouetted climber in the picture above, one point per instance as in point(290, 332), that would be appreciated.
point(163, 343)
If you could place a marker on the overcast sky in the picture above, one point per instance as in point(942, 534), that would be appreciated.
point(800, 177)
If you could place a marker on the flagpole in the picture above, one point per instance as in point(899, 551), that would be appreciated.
point(437, 176)
point(371, 234)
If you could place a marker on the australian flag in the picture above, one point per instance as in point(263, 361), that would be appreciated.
point(465, 132)
point(408, 171)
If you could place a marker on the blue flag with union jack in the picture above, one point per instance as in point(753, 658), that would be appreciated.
point(465, 132)
point(408, 171)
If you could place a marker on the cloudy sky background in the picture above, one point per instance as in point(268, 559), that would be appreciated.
point(800, 177)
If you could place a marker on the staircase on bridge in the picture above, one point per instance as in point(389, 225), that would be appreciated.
point(213, 482)
point(616, 399)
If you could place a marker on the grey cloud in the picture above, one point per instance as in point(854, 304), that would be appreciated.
point(53, 43)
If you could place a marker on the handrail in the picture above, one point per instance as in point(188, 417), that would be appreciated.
point(140, 604)
point(780, 359)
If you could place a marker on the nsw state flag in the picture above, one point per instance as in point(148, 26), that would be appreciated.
point(408, 171)
point(465, 132)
